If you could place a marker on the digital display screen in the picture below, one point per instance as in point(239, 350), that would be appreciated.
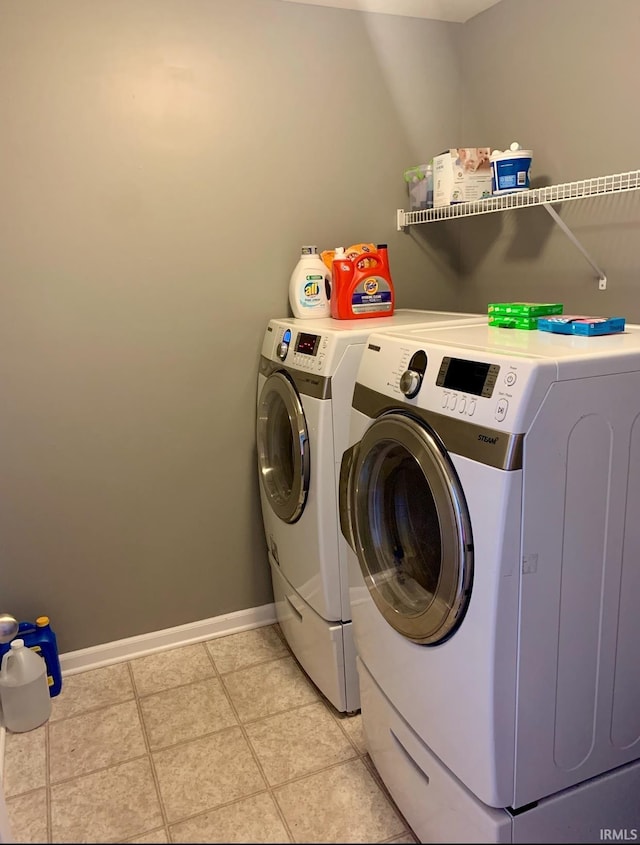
point(307, 343)
point(475, 377)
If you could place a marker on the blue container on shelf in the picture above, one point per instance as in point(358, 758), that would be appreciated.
point(40, 637)
point(510, 170)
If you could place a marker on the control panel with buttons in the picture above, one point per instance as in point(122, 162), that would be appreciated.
point(473, 385)
point(468, 384)
point(307, 351)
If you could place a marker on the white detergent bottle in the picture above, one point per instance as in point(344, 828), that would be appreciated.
point(24, 691)
point(309, 286)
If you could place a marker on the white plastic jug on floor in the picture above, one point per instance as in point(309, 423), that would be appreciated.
point(24, 691)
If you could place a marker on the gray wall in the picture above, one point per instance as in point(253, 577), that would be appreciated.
point(560, 77)
point(161, 163)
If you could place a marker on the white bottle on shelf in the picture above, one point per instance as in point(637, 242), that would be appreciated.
point(24, 691)
point(309, 286)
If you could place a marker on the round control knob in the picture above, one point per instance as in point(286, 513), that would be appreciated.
point(410, 382)
point(282, 350)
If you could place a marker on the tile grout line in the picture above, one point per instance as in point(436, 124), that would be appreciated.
point(330, 707)
point(371, 768)
point(183, 742)
point(250, 746)
point(88, 774)
point(149, 755)
point(217, 677)
point(358, 754)
point(364, 757)
point(339, 721)
point(47, 780)
point(242, 724)
point(3, 745)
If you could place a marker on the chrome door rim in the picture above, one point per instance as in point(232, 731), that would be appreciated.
point(287, 509)
point(445, 612)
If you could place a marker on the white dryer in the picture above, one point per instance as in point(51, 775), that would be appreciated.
point(490, 496)
point(305, 384)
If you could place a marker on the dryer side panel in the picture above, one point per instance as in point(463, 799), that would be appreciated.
point(625, 718)
point(576, 475)
point(342, 384)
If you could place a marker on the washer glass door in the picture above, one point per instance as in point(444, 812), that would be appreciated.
point(283, 447)
point(411, 528)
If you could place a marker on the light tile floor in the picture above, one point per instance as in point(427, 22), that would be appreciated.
point(221, 741)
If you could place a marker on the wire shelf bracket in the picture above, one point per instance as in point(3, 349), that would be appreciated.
point(602, 279)
point(617, 183)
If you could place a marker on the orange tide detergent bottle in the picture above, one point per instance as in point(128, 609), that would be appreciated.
point(362, 286)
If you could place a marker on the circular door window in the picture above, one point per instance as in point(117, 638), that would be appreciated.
point(411, 528)
point(283, 447)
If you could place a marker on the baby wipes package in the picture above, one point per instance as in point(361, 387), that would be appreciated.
point(461, 174)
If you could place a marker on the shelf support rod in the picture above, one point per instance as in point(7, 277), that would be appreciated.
point(602, 279)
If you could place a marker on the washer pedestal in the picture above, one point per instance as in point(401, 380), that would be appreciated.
point(440, 809)
point(325, 650)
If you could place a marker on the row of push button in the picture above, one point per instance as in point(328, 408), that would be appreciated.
point(463, 404)
point(467, 405)
point(307, 362)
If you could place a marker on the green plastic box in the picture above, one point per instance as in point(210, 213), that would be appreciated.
point(513, 321)
point(525, 309)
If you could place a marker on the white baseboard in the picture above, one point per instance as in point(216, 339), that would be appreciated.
point(105, 654)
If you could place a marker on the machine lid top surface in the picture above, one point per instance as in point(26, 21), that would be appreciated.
point(402, 317)
point(490, 340)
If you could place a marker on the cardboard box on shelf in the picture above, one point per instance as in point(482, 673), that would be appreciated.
point(462, 174)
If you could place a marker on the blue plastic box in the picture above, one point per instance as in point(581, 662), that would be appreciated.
point(581, 325)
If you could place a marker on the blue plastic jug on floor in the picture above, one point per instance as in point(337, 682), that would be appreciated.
point(40, 637)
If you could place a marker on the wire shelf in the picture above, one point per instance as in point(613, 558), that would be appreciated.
point(599, 186)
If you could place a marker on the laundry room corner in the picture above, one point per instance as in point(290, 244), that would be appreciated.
point(158, 185)
point(365, 573)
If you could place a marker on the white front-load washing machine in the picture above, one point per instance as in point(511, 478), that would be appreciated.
point(305, 383)
point(490, 494)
